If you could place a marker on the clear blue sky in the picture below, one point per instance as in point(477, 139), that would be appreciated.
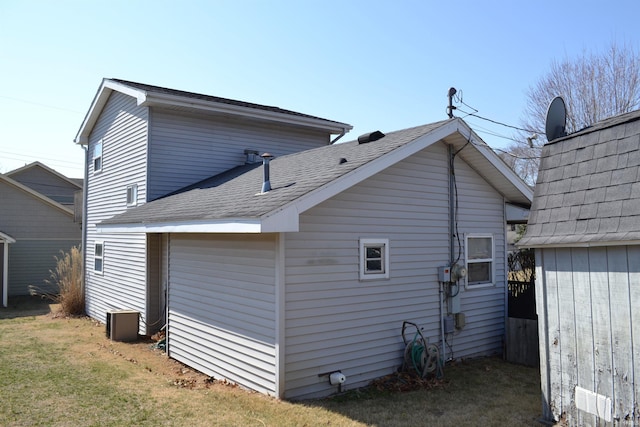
point(376, 65)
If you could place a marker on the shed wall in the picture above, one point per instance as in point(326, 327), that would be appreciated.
point(334, 321)
point(587, 302)
point(222, 308)
point(122, 127)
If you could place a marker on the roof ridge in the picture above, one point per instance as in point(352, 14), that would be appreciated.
point(213, 98)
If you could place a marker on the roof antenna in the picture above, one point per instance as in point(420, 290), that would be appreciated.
point(450, 108)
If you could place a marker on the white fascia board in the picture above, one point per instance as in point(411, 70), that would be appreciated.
point(256, 113)
point(495, 160)
point(6, 238)
point(229, 226)
point(99, 101)
point(358, 175)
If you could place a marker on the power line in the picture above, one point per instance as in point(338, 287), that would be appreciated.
point(40, 104)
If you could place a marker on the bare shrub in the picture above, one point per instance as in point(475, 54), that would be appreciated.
point(67, 276)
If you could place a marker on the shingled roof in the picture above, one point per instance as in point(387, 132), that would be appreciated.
point(588, 188)
point(156, 96)
point(235, 197)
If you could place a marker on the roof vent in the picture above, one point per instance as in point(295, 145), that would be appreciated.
point(370, 137)
point(252, 156)
point(266, 184)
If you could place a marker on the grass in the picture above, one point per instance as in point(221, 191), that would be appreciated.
point(57, 371)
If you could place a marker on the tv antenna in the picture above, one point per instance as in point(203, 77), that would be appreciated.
point(556, 119)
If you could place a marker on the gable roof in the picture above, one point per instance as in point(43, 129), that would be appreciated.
point(588, 189)
point(36, 195)
point(232, 202)
point(76, 182)
point(149, 95)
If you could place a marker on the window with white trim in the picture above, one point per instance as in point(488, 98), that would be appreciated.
point(97, 156)
point(479, 250)
point(98, 257)
point(132, 195)
point(374, 259)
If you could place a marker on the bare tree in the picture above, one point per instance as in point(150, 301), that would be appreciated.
point(593, 86)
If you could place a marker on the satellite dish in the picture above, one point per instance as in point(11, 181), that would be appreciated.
point(556, 119)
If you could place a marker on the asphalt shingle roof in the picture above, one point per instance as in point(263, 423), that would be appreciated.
point(210, 98)
point(588, 188)
point(236, 193)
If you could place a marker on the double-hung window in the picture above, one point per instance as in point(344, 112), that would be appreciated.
point(97, 156)
point(374, 259)
point(132, 195)
point(480, 259)
point(98, 257)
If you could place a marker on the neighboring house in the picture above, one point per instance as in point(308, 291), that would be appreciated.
point(585, 228)
point(37, 226)
point(48, 182)
point(275, 285)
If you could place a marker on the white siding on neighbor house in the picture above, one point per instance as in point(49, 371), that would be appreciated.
point(186, 148)
point(122, 127)
point(334, 321)
point(222, 308)
point(587, 301)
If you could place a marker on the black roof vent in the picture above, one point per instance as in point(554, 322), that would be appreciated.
point(370, 137)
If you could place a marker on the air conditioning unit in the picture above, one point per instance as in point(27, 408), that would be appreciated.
point(122, 325)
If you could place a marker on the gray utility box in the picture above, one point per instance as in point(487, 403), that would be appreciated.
point(122, 325)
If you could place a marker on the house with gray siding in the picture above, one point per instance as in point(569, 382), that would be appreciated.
point(274, 286)
point(37, 227)
point(48, 182)
point(585, 228)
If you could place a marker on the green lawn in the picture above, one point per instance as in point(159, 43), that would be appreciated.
point(64, 372)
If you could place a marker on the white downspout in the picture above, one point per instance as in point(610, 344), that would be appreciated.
point(5, 275)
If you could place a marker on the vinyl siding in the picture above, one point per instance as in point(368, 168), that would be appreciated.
point(123, 129)
point(334, 321)
point(31, 262)
point(587, 301)
point(222, 307)
point(187, 148)
point(44, 182)
point(41, 232)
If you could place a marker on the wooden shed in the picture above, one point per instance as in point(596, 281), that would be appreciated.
point(585, 228)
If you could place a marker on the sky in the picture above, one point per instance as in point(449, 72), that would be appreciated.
point(377, 65)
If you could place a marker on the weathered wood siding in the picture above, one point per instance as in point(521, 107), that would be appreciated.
point(334, 321)
point(222, 308)
point(186, 148)
point(123, 129)
point(589, 319)
point(41, 231)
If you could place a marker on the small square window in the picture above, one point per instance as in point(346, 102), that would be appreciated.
point(132, 195)
point(480, 260)
point(98, 257)
point(374, 259)
point(97, 156)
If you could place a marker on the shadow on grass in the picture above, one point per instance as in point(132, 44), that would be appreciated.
point(25, 306)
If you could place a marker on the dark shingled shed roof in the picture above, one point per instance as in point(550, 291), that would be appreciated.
point(588, 188)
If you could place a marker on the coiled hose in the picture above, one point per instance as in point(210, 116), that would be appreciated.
point(423, 357)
